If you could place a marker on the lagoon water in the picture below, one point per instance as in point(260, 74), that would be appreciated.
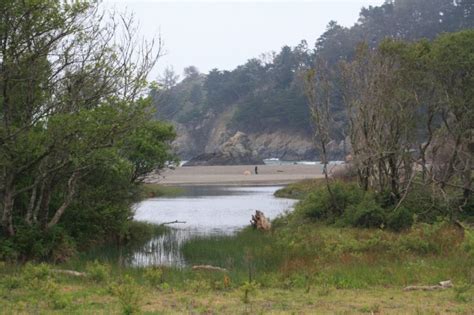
point(206, 210)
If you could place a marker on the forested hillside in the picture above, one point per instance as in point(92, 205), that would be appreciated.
point(265, 96)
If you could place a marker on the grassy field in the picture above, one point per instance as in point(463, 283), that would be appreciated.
point(300, 267)
point(51, 293)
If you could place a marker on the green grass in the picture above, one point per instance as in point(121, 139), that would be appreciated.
point(157, 190)
point(299, 189)
point(299, 267)
point(301, 254)
point(346, 282)
point(249, 251)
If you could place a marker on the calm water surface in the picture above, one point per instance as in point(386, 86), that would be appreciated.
point(206, 210)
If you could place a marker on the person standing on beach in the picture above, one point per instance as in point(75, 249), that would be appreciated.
point(256, 170)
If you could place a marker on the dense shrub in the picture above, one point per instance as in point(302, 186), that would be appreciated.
point(98, 272)
point(367, 213)
point(320, 205)
point(32, 242)
point(427, 205)
point(400, 219)
point(352, 206)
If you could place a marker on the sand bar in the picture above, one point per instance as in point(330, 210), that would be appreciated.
point(235, 175)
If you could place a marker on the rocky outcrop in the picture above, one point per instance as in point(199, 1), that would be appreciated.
point(284, 145)
point(206, 138)
point(235, 151)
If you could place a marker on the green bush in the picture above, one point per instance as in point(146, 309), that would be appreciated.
point(154, 276)
point(33, 242)
point(422, 201)
point(129, 295)
point(36, 272)
point(367, 213)
point(56, 299)
point(321, 205)
point(349, 205)
point(400, 219)
point(98, 272)
point(12, 282)
point(7, 250)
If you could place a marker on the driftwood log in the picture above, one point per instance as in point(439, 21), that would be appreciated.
point(173, 222)
point(260, 222)
point(70, 272)
point(209, 268)
point(440, 286)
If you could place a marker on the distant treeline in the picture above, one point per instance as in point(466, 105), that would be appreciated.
point(267, 93)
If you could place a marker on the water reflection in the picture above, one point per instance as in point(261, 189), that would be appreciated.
point(206, 210)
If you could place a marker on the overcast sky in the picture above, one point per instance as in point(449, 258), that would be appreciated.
point(226, 33)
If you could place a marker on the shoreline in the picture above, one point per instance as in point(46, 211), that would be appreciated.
point(235, 175)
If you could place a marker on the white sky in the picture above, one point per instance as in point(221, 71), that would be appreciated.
point(226, 33)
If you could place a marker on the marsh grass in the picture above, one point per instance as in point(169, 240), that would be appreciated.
point(115, 254)
point(299, 266)
point(300, 189)
point(249, 251)
point(306, 255)
point(157, 190)
point(305, 268)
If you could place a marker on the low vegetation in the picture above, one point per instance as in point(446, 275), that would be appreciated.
point(312, 261)
point(299, 267)
point(300, 189)
point(316, 259)
point(351, 206)
point(157, 190)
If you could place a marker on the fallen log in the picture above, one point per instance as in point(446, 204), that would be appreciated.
point(70, 272)
point(173, 222)
point(440, 286)
point(209, 268)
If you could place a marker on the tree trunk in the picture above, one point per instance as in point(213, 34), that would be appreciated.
point(67, 200)
point(7, 217)
point(8, 203)
point(394, 178)
point(32, 203)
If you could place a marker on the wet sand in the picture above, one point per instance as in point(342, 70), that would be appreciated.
point(235, 175)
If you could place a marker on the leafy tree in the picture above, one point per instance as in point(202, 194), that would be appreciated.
point(169, 78)
point(404, 100)
point(452, 65)
point(72, 106)
point(191, 72)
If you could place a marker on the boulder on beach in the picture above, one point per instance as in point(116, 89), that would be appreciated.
point(235, 151)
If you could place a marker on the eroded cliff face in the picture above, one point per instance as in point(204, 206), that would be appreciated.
point(235, 151)
point(210, 134)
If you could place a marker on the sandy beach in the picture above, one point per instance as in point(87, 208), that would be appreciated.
point(236, 175)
